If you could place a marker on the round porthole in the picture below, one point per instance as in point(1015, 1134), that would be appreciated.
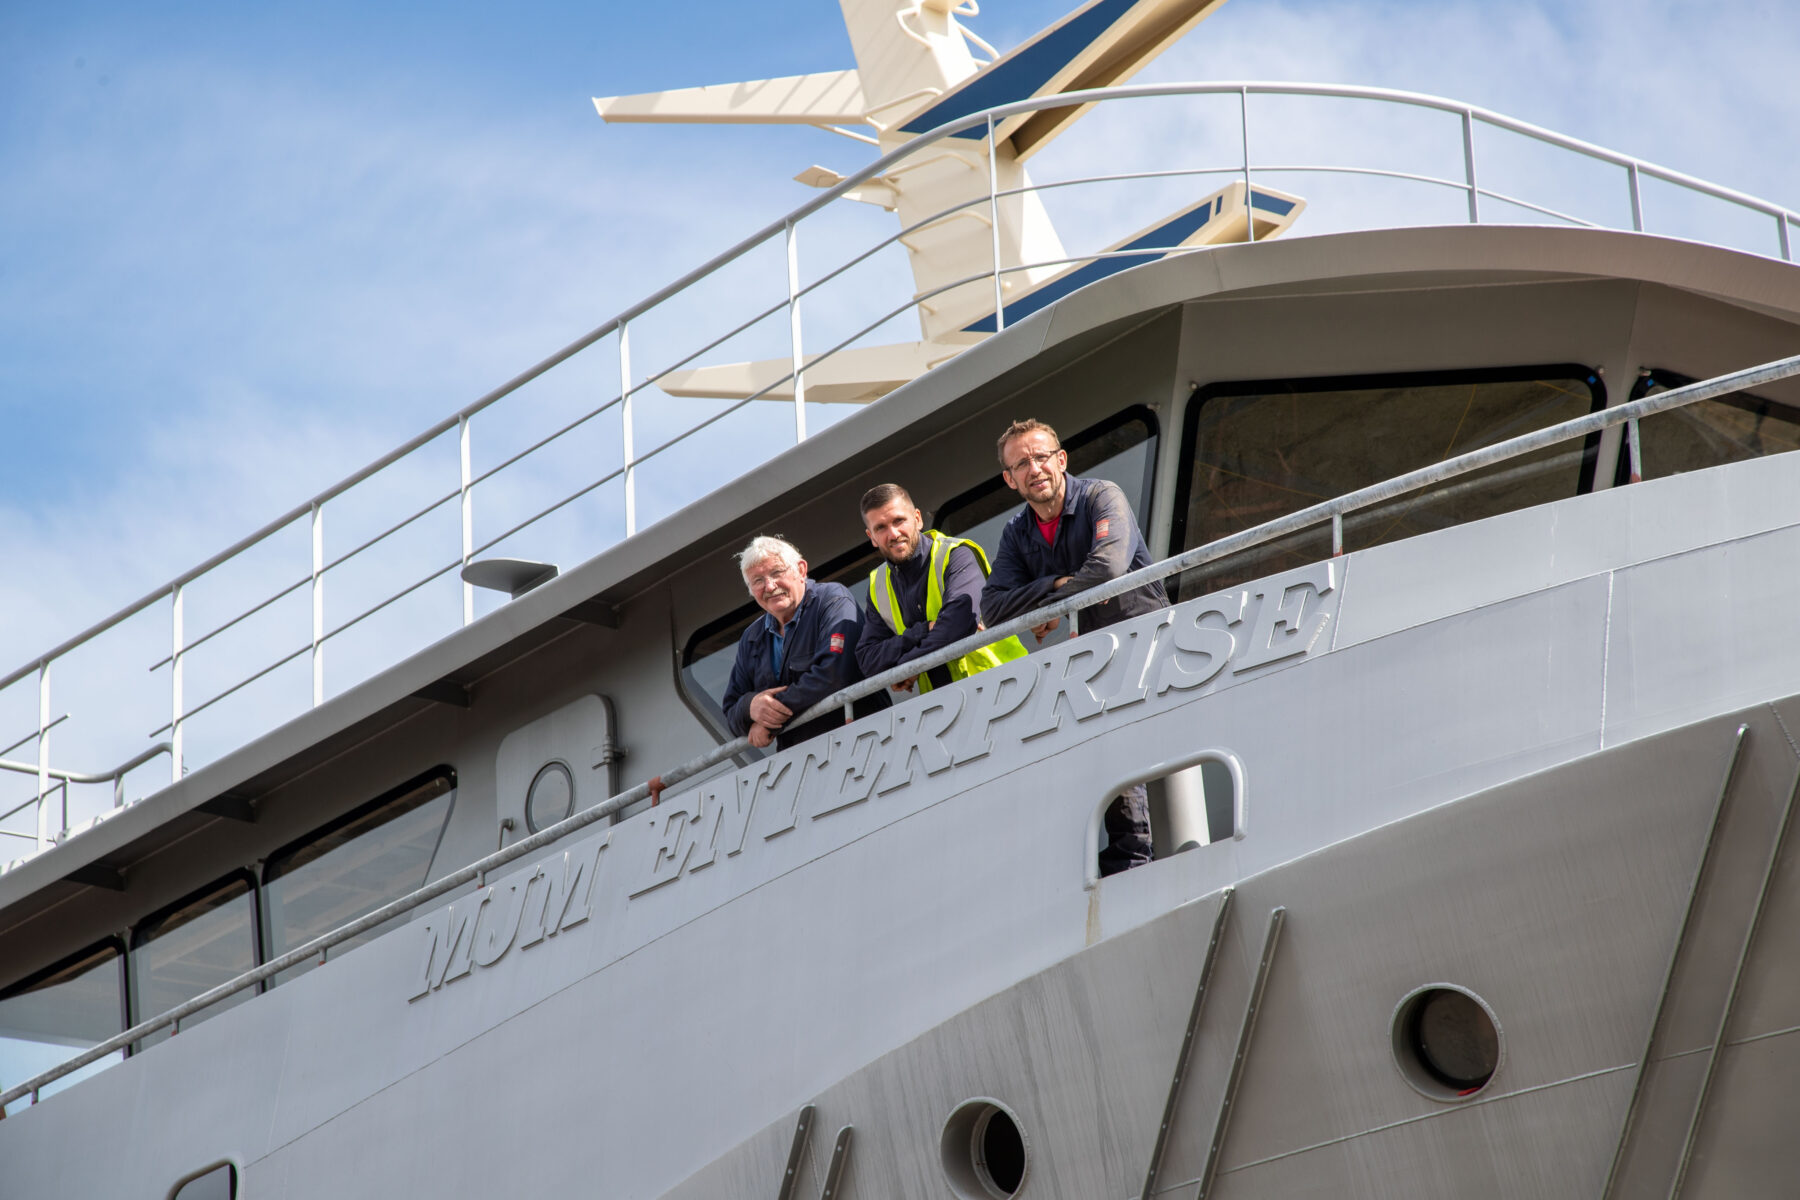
point(984, 1151)
point(1446, 1041)
point(550, 798)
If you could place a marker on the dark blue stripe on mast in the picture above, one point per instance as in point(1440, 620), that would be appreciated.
point(1022, 74)
point(1155, 244)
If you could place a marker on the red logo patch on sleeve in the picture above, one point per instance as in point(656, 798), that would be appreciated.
point(1101, 526)
point(837, 643)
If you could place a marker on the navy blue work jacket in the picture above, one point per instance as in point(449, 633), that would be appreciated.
point(819, 657)
point(1097, 540)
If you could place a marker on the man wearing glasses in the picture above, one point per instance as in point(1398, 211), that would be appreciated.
point(1072, 534)
point(801, 650)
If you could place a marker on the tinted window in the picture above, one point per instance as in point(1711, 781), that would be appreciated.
point(353, 866)
point(54, 1015)
point(1707, 433)
point(191, 948)
point(1254, 452)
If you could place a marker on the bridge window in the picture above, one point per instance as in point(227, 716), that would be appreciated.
point(1252, 452)
point(1707, 433)
point(191, 947)
point(50, 1017)
point(354, 865)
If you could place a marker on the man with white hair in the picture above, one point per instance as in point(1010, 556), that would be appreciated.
point(801, 650)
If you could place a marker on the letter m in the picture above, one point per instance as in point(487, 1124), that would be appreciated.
point(448, 946)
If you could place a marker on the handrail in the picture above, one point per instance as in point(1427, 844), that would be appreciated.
point(980, 123)
point(116, 776)
point(854, 180)
point(1337, 507)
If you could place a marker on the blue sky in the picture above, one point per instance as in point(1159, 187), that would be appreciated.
point(245, 248)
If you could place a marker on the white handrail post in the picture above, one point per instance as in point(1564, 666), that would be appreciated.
point(994, 222)
point(43, 748)
point(1637, 198)
point(625, 428)
point(1249, 194)
point(177, 657)
point(1468, 132)
point(793, 281)
point(1787, 247)
point(318, 604)
point(468, 516)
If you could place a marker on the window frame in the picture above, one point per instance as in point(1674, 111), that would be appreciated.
point(274, 867)
point(116, 943)
point(1650, 377)
point(1302, 385)
point(149, 927)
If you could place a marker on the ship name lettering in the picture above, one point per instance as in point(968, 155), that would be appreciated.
point(1181, 649)
point(477, 930)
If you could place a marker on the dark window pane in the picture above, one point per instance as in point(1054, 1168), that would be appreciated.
point(351, 868)
point(50, 1018)
point(200, 944)
point(1710, 433)
point(1257, 452)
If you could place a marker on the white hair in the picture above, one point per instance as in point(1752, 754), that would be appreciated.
point(762, 548)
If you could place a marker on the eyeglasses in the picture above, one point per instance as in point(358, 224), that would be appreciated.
point(757, 583)
point(1033, 460)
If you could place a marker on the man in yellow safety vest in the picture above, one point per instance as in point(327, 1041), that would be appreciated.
point(924, 595)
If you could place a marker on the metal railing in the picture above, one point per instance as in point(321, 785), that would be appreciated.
point(1330, 512)
point(309, 577)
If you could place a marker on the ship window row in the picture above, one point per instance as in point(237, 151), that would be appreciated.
point(1253, 451)
point(348, 868)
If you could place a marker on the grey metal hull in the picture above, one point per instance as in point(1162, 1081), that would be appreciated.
point(1502, 781)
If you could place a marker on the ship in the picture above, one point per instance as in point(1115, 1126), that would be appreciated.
point(1471, 733)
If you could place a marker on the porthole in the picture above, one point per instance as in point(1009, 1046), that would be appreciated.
point(985, 1153)
point(550, 798)
point(1446, 1041)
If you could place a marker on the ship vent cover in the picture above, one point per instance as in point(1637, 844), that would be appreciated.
point(985, 1153)
point(1446, 1041)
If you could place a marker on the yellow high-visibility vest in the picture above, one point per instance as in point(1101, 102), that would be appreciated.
point(887, 607)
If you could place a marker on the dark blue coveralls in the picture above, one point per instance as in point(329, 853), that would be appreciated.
point(816, 657)
point(1097, 540)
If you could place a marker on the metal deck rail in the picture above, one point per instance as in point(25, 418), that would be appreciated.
point(1330, 512)
point(308, 577)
